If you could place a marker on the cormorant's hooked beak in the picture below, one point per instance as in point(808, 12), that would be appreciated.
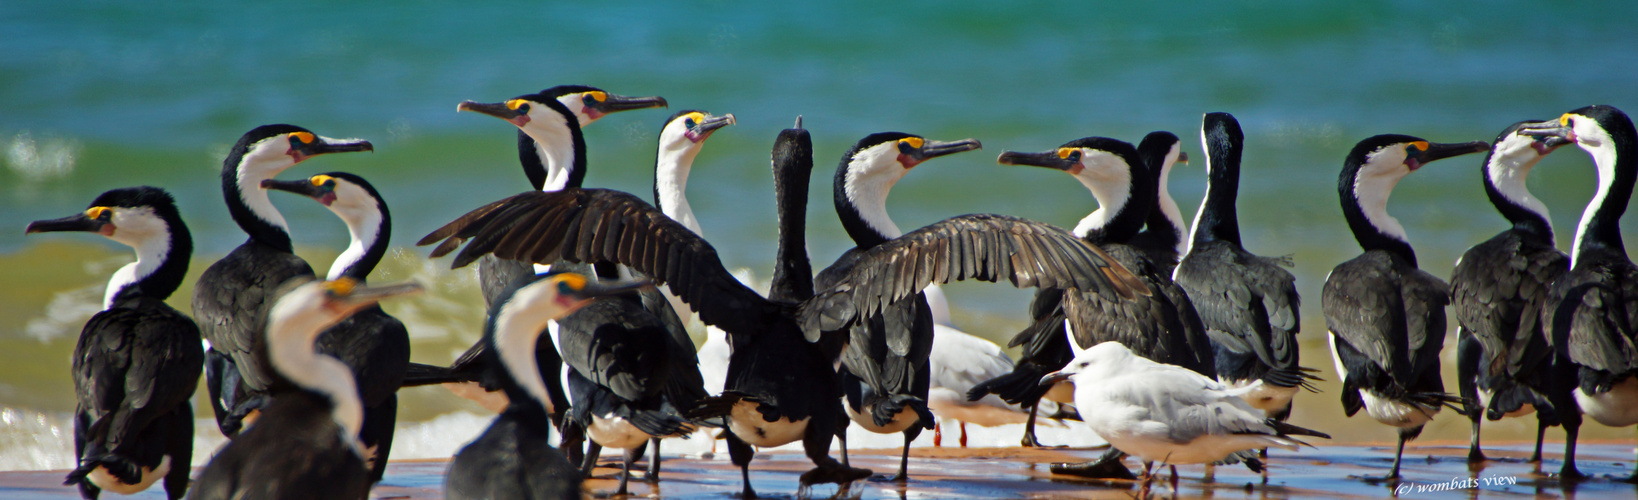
point(1055, 377)
point(1049, 159)
point(319, 145)
point(1438, 151)
point(703, 129)
point(1183, 157)
point(318, 187)
point(599, 104)
point(912, 156)
point(347, 293)
point(93, 220)
point(516, 116)
point(1548, 135)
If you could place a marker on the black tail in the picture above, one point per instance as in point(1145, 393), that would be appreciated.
point(1022, 386)
point(1437, 399)
point(1285, 429)
point(885, 409)
point(122, 469)
point(422, 374)
point(716, 406)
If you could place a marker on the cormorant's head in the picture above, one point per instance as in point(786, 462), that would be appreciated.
point(134, 216)
point(691, 127)
point(1395, 156)
point(1592, 127)
point(277, 147)
point(1529, 138)
point(558, 294)
point(1160, 150)
point(351, 197)
point(885, 157)
point(308, 306)
point(591, 103)
point(1094, 159)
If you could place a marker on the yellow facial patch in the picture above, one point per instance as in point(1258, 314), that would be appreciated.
point(304, 137)
point(515, 104)
point(598, 96)
point(696, 116)
point(914, 142)
point(1564, 119)
point(1065, 152)
point(321, 179)
point(573, 280)
point(341, 287)
point(97, 212)
point(1420, 145)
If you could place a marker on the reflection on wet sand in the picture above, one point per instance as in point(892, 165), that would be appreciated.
point(1431, 470)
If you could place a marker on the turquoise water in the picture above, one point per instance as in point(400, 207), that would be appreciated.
point(100, 95)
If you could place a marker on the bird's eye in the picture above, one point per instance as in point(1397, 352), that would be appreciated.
point(592, 98)
point(97, 213)
point(300, 138)
point(688, 122)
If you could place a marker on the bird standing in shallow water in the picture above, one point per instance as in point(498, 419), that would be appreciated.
point(137, 362)
point(1166, 413)
point(306, 445)
point(1498, 290)
point(1592, 309)
point(1387, 317)
point(511, 459)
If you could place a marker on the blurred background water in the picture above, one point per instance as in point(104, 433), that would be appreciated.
point(97, 95)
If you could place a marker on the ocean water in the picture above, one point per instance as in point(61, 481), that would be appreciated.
point(99, 95)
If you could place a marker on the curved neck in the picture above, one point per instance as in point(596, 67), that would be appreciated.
point(558, 147)
point(1505, 172)
point(1125, 197)
point(1217, 219)
point(514, 332)
point(161, 265)
point(793, 272)
point(296, 360)
point(1365, 205)
point(671, 168)
point(1617, 170)
point(369, 232)
point(1166, 220)
point(860, 194)
point(248, 203)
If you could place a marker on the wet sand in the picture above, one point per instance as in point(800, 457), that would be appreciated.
point(1433, 470)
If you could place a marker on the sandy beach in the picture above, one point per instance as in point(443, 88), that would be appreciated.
point(1432, 470)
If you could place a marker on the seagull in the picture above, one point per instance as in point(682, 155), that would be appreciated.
point(1167, 413)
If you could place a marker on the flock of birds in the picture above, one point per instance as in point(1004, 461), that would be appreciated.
point(1175, 346)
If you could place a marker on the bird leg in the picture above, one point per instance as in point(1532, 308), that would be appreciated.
point(1474, 454)
point(1396, 456)
point(740, 453)
point(654, 461)
point(938, 435)
point(589, 462)
point(1541, 431)
point(904, 458)
point(1029, 440)
point(1174, 478)
point(1569, 472)
point(963, 434)
point(625, 470)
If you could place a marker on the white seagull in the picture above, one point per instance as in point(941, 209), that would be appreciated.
point(1167, 413)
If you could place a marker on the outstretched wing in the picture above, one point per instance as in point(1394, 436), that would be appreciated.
point(600, 225)
point(983, 247)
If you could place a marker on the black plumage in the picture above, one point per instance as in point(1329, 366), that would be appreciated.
point(1592, 307)
point(375, 345)
point(1498, 290)
point(511, 459)
point(305, 445)
point(1162, 238)
point(1249, 304)
point(1162, 326)
point(1387, 317)
point(233, 295)
point(138, 361)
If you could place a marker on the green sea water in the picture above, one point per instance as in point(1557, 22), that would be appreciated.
point(99, 95)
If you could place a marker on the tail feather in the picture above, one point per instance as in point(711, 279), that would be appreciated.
point(716, 406)
point(884, 410)
point(122, 469)
point(419, 374)
point(1286, 429)
point(1022, 386)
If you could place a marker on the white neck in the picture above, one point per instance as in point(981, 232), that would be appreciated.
point(870, 177)
point(292, 354)
point(149, 236)
point(676, 159)
point(250, 190)
point(1168, 206)
point(1110, 181)
point(363, 228)
point(1188, 239)
point(555, 145)
point(517, 329)
point(1604, 157)
point(1372, 186)
point(1508, 170)
point(577, 105)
